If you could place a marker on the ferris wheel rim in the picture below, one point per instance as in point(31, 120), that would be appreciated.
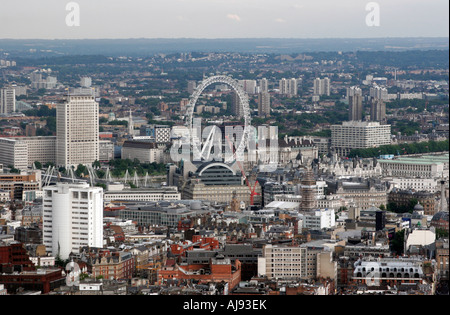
point(243, 101)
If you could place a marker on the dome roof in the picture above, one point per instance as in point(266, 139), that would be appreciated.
point(418, 207)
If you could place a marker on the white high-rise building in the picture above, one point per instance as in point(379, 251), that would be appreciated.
point(288, 87)
point(72, 218)
point(249, 86)
point(7, 100)
point(86, 82)
point(263, 85)
point(379, 92)
point(77, 131)
point(322, 86)
point(51, 82)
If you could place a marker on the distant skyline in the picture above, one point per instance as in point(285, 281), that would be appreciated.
point(208, 19)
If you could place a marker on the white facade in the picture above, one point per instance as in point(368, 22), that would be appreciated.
point(322, 86)
point(249, 86)
point(13, 153)
point(416, 183)
point(420, 238)
point(403, 167)
point(72, 218)
point(77, 129)
point(145, 152)
point(359, 135)
point(170, 193)
point(379, 92)
point(288, 86)
point(319, 219)
point(281, 262)
point(23, 152)
point(263, 85)
point(106, 150)
point(294, 263)
point(46, 261)
point(86, 82)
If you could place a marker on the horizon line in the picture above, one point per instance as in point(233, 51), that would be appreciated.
point(232, 38)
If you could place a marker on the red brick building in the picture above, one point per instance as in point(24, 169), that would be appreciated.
point(44, 280)
point(198, 242)
point(112, 265)
point(219, 269)
point(14, 257)
point(440, 221)
point(17, 271)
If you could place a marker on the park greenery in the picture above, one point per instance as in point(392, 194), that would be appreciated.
point(401, 149)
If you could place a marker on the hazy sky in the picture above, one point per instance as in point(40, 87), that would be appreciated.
point(46, 19)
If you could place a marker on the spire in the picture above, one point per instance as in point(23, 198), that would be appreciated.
point(443, 198)
point(130, 125)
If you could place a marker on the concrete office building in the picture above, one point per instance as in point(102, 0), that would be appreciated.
point(307, 261)
point(156, 214)
point(72, 218)
point(23, 152)
point(16, 185)
point(77, 129)
point(106, 151)
point(319, 219)
point(119, 193)
point(359, 135)
point(144, 151)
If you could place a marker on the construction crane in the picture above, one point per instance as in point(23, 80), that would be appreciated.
point(253, 192)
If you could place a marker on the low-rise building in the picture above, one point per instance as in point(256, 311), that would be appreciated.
point(16, 184)
point(218, 269)
point(388, 271)
point(139, 195)
point(112, 265)
point(22, 152)
point(144, 151)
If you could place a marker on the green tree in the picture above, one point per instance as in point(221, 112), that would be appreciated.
point(81, 170)
point(441, 233)
point(397, 244)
